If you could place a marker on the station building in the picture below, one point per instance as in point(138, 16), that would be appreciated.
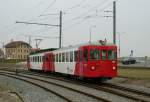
point(17, 50)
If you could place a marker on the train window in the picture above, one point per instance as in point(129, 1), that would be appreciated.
point(80, 55)
point(103, 54)
point(67, 57)
point(75, 55)
point(94, 54)
point(43, 58)
point(112, 55)
point(71, 56)
point(56, 57)
point(63, 57)
point(35, 59)
point(46, 59)
point(59, 57)
point(85, 55)
point(39, 58)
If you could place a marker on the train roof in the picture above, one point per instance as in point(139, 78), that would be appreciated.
point(87, 44)
point(43, 50)
point(98, 43)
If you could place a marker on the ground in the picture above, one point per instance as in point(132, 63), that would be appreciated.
point(134, 76)
point(7, 96)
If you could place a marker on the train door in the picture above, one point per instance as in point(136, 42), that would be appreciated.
point(51, 62)
point(46, 62)
point(83, 58)
point(80, 64)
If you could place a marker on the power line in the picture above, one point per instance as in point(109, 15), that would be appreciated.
point(88, 11)
point(50, 5)
point(76, 6)
point(86, 17)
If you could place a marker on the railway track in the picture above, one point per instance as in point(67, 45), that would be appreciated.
point(129, 93)
point(41, 83)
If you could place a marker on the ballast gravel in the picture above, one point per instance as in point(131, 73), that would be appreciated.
point(28, 92)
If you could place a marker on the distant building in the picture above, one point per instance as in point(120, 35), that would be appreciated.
point(1, 54)
point(17, 50)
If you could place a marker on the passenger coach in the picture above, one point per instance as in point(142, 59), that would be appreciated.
point(91, 60)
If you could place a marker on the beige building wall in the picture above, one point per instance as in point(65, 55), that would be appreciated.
point(21, 51)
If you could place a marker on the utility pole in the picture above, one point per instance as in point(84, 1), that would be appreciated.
point(60, 30)
point(114, 22)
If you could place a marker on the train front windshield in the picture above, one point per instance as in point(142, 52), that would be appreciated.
point(96, 54)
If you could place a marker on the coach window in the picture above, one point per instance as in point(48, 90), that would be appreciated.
point(56, 57)
point(67, 57)
point(75, 55)
point(103, 54)
point(59, 57)
point(85, 55)
point(43, 58)
point(80, 55)
point(112, 55)
point(71, 56)
point(38, 59)
point(94, 54)
point(63, 57)
point(33, 59)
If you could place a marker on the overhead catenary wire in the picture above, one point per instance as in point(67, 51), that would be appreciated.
point(50, 5)
point(89, 10)
point(84, 18)
point(75, 6)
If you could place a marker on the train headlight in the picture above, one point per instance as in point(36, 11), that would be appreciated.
point(114, 68)
point(92, 68)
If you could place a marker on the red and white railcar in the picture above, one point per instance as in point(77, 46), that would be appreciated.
point(92, 60)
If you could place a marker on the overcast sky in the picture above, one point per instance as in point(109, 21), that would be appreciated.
point(79, 16)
